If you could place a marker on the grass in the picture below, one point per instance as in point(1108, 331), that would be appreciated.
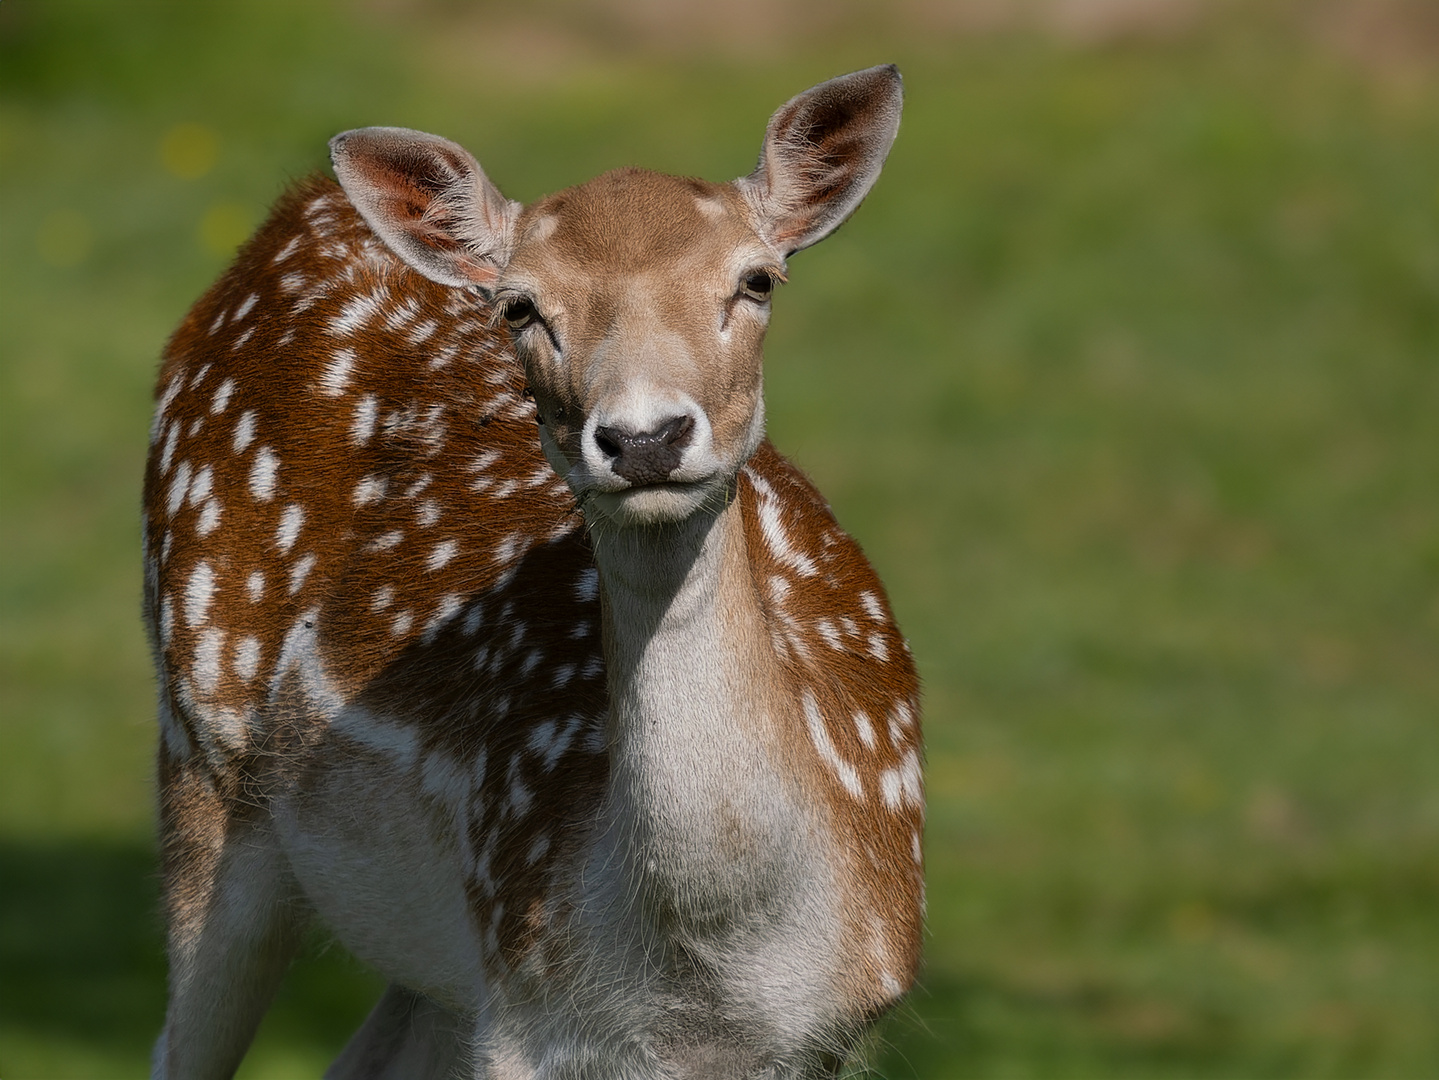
point(1125, 376)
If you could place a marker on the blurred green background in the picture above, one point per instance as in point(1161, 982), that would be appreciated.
point(1126, 376)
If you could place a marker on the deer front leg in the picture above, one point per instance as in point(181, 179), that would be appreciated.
point(406, 1037)
point(234, 923)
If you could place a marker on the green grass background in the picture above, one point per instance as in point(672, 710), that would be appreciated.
point(1126, 376)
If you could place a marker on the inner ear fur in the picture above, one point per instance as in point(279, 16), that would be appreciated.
point(428, 199)
point(822, 152)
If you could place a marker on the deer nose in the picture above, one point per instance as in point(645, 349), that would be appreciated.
point(646, 457)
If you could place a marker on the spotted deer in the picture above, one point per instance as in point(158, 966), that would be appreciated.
point(494, 635)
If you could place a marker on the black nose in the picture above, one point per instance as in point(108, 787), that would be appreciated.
point(646, 457)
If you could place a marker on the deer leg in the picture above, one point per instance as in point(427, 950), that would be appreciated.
point(235, 923)
point(405, 1036)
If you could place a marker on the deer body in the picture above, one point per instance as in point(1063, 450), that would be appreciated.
point(600, 744)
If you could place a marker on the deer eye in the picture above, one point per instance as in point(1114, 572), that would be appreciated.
point(758, 285)
point(519, 313)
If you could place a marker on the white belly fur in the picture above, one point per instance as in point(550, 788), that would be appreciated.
point(380, 867)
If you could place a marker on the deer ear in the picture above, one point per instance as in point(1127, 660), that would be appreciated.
point(822, 153)
point(429, 200)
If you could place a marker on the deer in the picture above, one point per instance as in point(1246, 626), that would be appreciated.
point(493, 636)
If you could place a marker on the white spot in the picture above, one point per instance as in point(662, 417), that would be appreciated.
point(441, 554)
point(889, 985)
point(911, 779)
point(877, 648)
point(354, 315)
point(168, 451)
point(200, 486)
point(226, 729)
point(889, 788)
point(262, 474)
point(483, 460)
point(244, 431)
point(904, 714)
point(532, 661)
point(385, 541)
point(199, 591)
point(383, 598)
point(587, 585)
point(336, 376)
point(914, 847)
point(779, 588)
point(291, 522)
point(542, 735)
point(221, 401)
point(537, 850)
point(774, 532)
point(473, 619)
point(403, 621)
point(245, 306)
point(300, 571)
point(508, 548)
point(520, 797)
point(286, 251)
point(830, 633)
point(370, 489)
point(819, 735)
point(865, 729)
point(179, 487)
point(247, 658)
point(563, 674)
point(427, 513)
point(240, 341)
point(870, 603)
point(544, 228)
point(710, 207)
point(171, 389)
point(562, 742)
point(448, 608)
point(255, 585)
point(209, 517)
point(362, 428)
point(207, 659)
point(402, 314)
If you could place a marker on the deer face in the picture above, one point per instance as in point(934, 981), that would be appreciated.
point(637, 302)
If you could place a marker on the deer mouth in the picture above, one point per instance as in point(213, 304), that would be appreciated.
point(653, 502)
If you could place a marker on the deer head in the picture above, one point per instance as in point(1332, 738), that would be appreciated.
point(637, 302)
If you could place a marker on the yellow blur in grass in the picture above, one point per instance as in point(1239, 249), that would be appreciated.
point(189, 151)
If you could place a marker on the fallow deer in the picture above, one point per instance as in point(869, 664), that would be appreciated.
point(492, 632)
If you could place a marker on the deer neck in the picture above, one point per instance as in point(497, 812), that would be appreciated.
point(706, 816)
